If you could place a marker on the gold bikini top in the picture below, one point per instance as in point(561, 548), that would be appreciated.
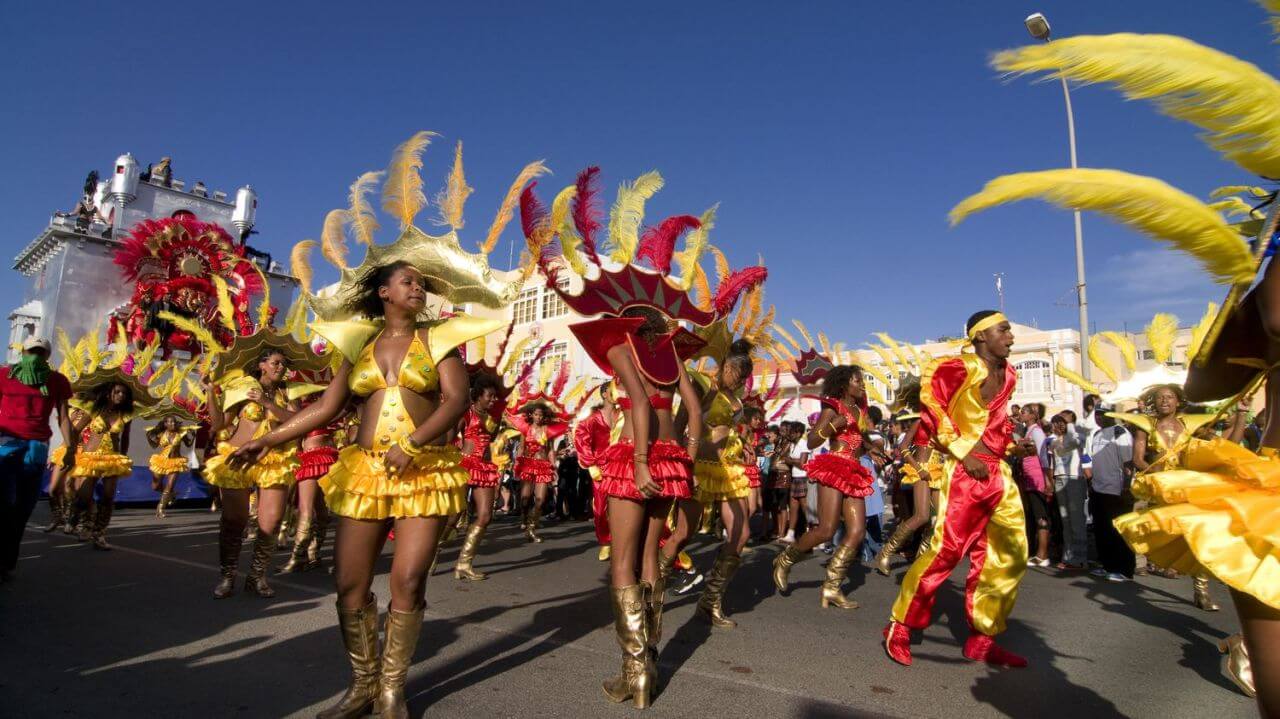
point(417, 371)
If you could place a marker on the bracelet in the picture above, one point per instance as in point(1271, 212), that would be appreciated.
point(408, 446)
point(641, 459)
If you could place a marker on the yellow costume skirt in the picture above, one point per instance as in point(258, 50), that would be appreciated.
point(274, 470)
point(910, 476)
point(162, 466)
point(57, 455)
point(718, 482)
point(433, 485)
point(1219, 514)
point(101, 465)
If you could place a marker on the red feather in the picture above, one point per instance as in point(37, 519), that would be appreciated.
point(526, 370)
point(562, 379)
point(533, 221)
point(659, 243)
point(584, 212)
point(782, 410)
point(734, 285)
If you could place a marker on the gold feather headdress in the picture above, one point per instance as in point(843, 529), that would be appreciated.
point(456, 275)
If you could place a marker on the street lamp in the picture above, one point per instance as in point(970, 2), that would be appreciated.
point(1038, 25)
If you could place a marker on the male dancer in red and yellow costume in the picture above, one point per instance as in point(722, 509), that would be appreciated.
point(592, 436)
point(965, 416)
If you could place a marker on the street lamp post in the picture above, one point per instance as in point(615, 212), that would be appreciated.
point(1038, 26)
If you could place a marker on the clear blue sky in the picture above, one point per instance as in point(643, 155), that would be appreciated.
point(835, 135)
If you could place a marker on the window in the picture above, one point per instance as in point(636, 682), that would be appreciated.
point(1148, 354)
point(556, 353)
point(552, 304)
point(1034, 377)
point(525, 308)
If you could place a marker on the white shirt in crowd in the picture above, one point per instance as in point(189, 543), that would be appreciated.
point(1064, 451)
point(1110, 449)
point(798, 450)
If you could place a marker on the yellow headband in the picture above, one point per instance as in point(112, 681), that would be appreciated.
point(987, 323)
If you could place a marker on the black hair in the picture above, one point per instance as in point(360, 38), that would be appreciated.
point(1091, 400)
point(529, 409)
point(977, 317)
point(102, 397)
point(740, 357)
point(1037, 407)
point(655, 323)
point(752, 411)
point(255, 369)
point(481, 381)
point(875, 414)
point(1149, 397)
point(836, 381)
point(367, 302)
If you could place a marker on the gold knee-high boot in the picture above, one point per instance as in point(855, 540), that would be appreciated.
point(532, 520)
point(402, 633)
point(1201, 594)
point(100, 524)
point(709, 604)
point(654, 601)
point(297, 561)
point(56, 507)
point(837, 568)
point(316, 544)
point(1237, 663)
point(256, 581)
point(462, 569)
point(86, 516)
point(634, 682)
point(69, 512)
point(360, 636)
point(230, 538)
point(665, 564)
point(782, 566)
point(901, 534)
point(165, 498)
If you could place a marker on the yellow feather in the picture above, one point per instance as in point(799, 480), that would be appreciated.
point(1160, 335)
point(1125, 345)
point(163, 369)
point(702, 288)
point(562, 222)
point(874, 394)
point(121, 349)
point(65, 347)
point(142, 360)
point(824, 343)
point(333, 240)
point(402, 195)
point(761, 329)
point(786, 351)
point(804, 332)
point(359, 212)
point(1100, 361)
point(226, 310)
point(787, 336)
point(876, 372)
point(722, 264)
point(898, 352)
point(1236, 104)
point(627, 214)
point(1076, 379)
point(295, 319)
point(1234, 207)
point(197, 330)
point(886, 357)
point(482, 346)
point(1143, 203)
point(1201, 329)
point(1226, 190)
point(195, 390)
point(455, 193)
point(1273, 10)
point(514, 353)
point(264, 307)
point(544, 373)
point(508, 207)
point(695, 245)
point(915, 357)
point(300, 264)
point(94, 349)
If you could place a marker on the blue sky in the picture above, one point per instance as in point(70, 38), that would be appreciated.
point(835, 135)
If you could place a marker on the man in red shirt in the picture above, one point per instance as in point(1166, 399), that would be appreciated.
point(30, 392)
point(590, 438)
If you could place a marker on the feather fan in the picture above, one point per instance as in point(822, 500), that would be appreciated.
point(658, 244)
point(455, 193)
point(1125, 345)
point(1076, 379)
point(226, 308)
point(1160, 335)
point(1100, 361)
point(402, 195)
point(627, 214)
point(507, 209)
point(1236, 104)
point(1143, 203)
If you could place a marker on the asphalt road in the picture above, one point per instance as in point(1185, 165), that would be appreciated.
point(134, 632)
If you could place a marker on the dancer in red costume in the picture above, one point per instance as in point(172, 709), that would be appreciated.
point(590, 438)
point(478, 427)
point(319, 452)
point(540, 419)
point(965, 416)
point(845, 483)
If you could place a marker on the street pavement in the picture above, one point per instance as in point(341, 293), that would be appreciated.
point(135, 633)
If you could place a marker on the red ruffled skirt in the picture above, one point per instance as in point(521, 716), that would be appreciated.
point(753, 475)
point(315, 462)
point(841, 473)
point(533, 469)
point(483, 474)
point(669, 466)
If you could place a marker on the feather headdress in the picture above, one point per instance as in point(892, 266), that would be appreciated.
point(1077, 379)
point(1143, 203)
point(627, 214)
point(507, 209)
point(1160, 336)
point(359, 212)
point(1099, 360)
point(1201, 330)
point(1127, 351)
point(402, 195)
point(455, 193)
point(1236, 104)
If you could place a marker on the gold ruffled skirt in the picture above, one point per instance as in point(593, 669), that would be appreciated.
point(57, 455)
point(274, 470)
point(162, 466)
point(433, 485)
point(1219, 514)
point(718, 482)
point(101, 464)
point(910, 476)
